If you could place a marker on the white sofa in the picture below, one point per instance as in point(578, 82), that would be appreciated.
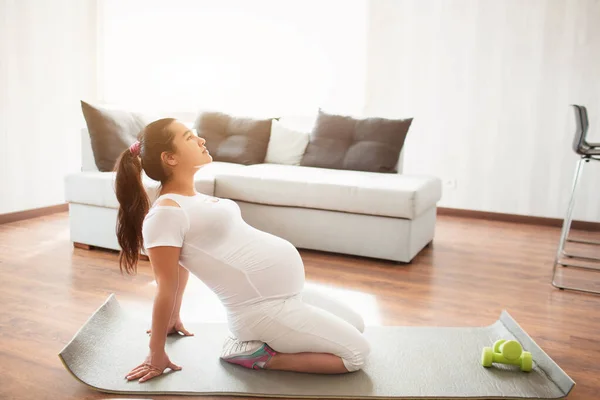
point(384, 216)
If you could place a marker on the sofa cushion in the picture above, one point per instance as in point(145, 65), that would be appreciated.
point(286, 145)
point(371, 193)
point(97, 188)
point(366, 144)
point(111, 132)
point(234, 139)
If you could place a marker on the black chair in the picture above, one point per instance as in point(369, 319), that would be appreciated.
point(587, 152)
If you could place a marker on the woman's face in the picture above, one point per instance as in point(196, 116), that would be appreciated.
point(190, 150)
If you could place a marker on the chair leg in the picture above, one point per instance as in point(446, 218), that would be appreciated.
point(564, 237)
point(569, 217)
point(567, 222)
point(594, 242)
point(582, 241)
point(588, 258)
point(576, 289)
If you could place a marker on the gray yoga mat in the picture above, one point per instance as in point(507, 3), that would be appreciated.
point(405, 362)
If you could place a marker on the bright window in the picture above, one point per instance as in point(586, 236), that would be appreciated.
point(252, 57)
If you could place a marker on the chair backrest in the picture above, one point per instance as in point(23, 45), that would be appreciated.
point(585, 122)
point(581, 127)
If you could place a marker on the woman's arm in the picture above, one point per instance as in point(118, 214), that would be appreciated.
point(183, 279)
point(165, 263)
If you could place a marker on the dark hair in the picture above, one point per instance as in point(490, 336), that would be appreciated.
point(134, 203)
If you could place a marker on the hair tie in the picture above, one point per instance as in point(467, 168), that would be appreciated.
point(135, 148)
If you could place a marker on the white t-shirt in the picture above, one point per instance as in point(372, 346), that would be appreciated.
point(240, 264)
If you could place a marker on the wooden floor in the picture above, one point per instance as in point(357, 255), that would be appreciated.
point(473, 271)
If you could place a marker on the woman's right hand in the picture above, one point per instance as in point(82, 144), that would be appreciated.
point(154, 365)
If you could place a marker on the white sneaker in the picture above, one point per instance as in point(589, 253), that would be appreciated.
point(251, 354)
point(236, 348)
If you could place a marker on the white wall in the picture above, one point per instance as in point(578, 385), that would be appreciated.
point(489, 84)
point(47, 64)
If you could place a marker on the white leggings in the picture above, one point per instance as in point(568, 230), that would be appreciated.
point(309, 322)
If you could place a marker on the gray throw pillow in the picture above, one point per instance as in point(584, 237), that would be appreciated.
point(366, 144)
point(234, 139)
point(111, 132)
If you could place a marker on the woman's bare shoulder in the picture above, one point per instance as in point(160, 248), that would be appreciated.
point(167, 202)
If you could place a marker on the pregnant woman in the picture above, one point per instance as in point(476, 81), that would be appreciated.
point(258, 277)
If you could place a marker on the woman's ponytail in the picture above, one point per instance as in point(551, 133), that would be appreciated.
point(133, 207)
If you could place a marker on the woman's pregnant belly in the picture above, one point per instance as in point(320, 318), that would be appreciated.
point(272, 264)
point(275, 269)
point(239, 263)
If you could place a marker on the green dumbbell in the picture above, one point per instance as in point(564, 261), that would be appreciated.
point(507, 352)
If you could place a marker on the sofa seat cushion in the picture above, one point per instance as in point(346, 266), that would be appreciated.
point(98, 188)
point(371, 193)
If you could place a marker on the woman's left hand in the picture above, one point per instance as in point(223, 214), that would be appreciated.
point(175, 326)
